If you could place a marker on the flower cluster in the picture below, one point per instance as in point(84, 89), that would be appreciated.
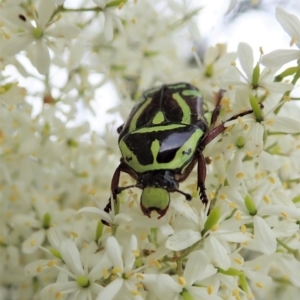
point(58, 242)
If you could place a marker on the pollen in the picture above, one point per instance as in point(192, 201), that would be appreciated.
point(39, 268)
point(270, 122)
point(257, 267)
point(139, 276)
point(240, 175)
point(51, 263)
point(240, 120)
point(6, 35)
point(58, 295)
point(232, 205)
point(32, 243)
point(238, 261)
point(131, 204)
point(236, 294)
point(238, 216)
point(210, 289)
point(285, 277)
point(233, 64)
point(261, 50)
point(105, 273)
point(181, 281)
point(92, 191)
point(74, 234)
point(133, 21)
point(120, 6)
point(135, 292)
point(272, 179)
point(143, 235)
point(230, 146)
point(230, 87)
point(287, 98)
point(293, 40)
point(222, 197)
point(246, 127)
point(267, 199)
point(215, 227)
point(259, 284)
point(249, 153)
point(243, 229)
point(116, 270)
point(284, 214)
point(157, 264)
point(136, 253)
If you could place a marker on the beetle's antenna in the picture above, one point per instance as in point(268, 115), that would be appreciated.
point(188, 197)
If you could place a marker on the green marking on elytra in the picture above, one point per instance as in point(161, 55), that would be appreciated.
point(135, 117)
point(183, 155)
point(159, 118)
point(178, 86)
point(155, 149)
point(186, 118)
point(191, 93)
point(158, 128)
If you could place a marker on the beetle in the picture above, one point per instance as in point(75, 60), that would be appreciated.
point(161, 142)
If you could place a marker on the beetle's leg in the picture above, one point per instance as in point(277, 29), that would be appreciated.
point(120, 128)
point(201, 178)
point(115, 189)
point(220, 128)
point(217, 109)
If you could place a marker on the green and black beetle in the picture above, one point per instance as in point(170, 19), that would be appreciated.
point(161, 142)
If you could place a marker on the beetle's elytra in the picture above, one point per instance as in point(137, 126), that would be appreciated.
point(161, 142)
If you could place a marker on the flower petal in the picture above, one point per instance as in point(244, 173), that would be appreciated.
point(34, 241)
point(183, 239)
point(289, 22)
point(44, 12)
point(61, 30)
point(40, 57)
point(71, 256)
point(245, 55)
point(284, 124)
point(278, 58)
point(264, 239)
point(16, 44)
point(114, 253)
point(195, 266)
point(111, 290)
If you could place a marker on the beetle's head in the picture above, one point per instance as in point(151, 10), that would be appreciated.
point(156, 186)
point(155, 199)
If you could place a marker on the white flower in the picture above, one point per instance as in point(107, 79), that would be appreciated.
point(76, 278)
point(37, 38)
point(195, 283)
point(109, 20)
point(123, 268)
point(253, 78)
point(291, 25)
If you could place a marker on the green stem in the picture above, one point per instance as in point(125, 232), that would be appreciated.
point(289, 249)
point(184, 255)
point(61, 8)
point(295, 79)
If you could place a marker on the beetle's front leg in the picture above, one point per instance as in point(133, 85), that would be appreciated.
point(113, 187)
point(220, 128)
point(201, 178)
